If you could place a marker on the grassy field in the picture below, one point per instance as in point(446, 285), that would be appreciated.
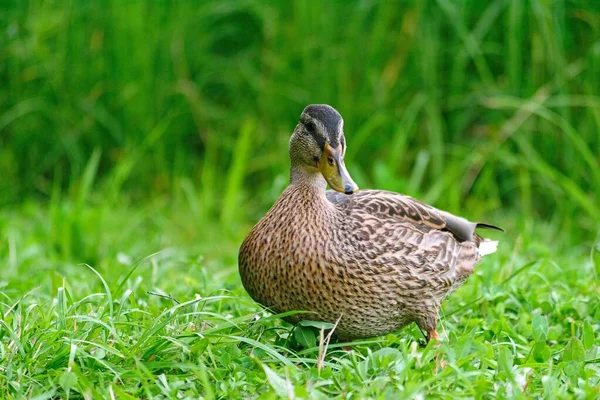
point(140, 141)
point(525, 325)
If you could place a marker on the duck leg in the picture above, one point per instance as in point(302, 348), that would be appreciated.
point(433, 335)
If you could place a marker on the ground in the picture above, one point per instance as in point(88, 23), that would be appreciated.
point(143, 300)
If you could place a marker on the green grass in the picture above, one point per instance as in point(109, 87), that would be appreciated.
point(524, 325)
point(140, 141)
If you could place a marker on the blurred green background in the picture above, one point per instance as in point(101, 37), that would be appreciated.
point(486, 108)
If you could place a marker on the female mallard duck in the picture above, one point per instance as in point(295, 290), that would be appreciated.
point(376, 260)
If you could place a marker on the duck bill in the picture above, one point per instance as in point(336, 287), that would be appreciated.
point(334, 170)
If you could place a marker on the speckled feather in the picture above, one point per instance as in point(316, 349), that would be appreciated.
point(380, 260)
point(377, 259)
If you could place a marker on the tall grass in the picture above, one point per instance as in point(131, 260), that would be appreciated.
point(176, 323)
point(471, 105)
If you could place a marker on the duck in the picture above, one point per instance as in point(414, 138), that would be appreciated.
point(368, 261)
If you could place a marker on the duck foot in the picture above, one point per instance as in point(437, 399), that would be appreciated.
point(439, 363)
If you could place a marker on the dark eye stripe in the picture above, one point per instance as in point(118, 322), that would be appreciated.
point(320, 140)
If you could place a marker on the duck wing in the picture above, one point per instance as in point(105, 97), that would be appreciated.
point(394, 206)
point(393, 233)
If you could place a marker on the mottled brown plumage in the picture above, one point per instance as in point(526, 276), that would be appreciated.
point(378, 259)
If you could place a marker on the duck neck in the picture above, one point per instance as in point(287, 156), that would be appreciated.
point(308, 180)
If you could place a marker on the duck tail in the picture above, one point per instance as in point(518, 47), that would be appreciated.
point(489, 226)
point(487, 246)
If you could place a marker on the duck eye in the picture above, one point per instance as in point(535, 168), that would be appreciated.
point(330, 160)
point(310, 126)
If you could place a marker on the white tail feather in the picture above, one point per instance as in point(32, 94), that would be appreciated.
point(487, 246)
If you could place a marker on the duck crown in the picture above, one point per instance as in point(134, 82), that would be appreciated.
point(328, 119)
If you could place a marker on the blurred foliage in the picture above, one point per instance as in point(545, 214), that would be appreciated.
point(473, 106)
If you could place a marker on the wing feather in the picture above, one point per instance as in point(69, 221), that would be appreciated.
point(420, 241)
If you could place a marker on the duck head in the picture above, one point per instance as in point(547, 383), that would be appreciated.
point(318, 146)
